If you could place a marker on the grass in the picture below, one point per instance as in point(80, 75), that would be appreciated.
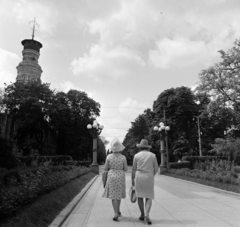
point(224, 186)
point(43, 211)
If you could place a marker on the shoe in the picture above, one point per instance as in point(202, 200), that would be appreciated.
point(147, 219)
point(119, 214)
point(115, 218)
point(141, 218)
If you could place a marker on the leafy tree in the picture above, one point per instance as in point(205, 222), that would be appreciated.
point(181, 146)
point(73, 112)
point(28, 105)
point(101, 154)
point(177, 108)
point(139, 130)
point(222, 81)
point(229, 147)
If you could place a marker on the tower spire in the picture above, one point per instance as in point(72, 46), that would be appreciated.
point(34, 26)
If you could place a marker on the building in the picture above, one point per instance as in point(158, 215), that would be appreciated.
point(28, 70)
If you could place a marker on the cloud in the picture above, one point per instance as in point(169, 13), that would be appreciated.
point(118, 123)
point(107, 63)
point(68, 85)
point(177, 52)
point(133, 35)
point(8, 64)
point(131, 107)
point(24, 11)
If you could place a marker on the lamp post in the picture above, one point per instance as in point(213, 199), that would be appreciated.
point(163, 136)
point(95, 129)
point(199, 135)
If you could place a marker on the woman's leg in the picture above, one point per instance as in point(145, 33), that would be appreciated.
point(115, 206)
point(119, 204)
point(141, 206)
point(148, 206)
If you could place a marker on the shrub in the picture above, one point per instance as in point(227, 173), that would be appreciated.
point(34, 182)
point(179, 165)
point(236, 169)
point(43, 160)
point(194, 159)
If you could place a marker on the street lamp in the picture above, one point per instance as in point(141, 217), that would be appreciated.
point(95, 129)
point(163, 130)
point(199, 135)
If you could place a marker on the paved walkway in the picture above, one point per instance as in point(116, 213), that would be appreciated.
point(177, 203)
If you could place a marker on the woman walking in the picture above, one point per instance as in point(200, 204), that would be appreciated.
point(145, 167)
point(115, 188)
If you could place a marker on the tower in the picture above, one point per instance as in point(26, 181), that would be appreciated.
point(29, 69)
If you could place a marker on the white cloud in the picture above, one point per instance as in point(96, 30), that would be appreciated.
point(68, 85)
point(178, 52)
point(8, 64)
point(132, 107)
point(24, 11)
point(102, 62)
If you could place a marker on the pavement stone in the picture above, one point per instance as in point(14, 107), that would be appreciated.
point(178, 203)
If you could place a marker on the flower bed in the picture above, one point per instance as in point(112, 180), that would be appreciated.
point(21, 186)
point(230, 177)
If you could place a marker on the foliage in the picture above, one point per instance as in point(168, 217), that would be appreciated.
point(29, 106)
point(43, 160)
point(42, 115)
point(229, 147)
point(7, 159)
point(179, 165)
point(101, 153)
point(222, 81)
point(33, 182)
point(194, 159)
point(176, 107)
point(139, 130)
point(181, 146)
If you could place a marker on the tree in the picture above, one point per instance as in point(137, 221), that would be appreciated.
point(229, 147)
point(176, 107)
point(29, 107)
point(222, 81)
point(73, 112)
point(101, 154)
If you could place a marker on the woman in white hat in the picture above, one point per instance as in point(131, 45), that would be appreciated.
point(144, 168)
point(115, 188)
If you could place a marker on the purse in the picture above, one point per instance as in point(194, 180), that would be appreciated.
point(104, 178)
point(132, 195)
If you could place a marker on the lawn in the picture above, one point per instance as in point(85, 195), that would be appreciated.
point(44, 210)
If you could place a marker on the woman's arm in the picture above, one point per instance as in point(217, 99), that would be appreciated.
point(106, 168)
point(134, 169)
point(125, 167)
point(155, 165)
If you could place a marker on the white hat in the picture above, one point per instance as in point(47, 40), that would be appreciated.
point(116, 145)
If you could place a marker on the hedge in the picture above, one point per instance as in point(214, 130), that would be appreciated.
point(179, 165)
point(21, 186)
point(78, 163)
point(194, 159)
point(43, 160)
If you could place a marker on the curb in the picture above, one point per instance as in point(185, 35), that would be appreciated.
point(207, 186)
point(63, 215)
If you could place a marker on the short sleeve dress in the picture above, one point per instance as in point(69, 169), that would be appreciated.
point(115, 186)
point(146, 166)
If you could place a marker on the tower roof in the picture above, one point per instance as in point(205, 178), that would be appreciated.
point(31, 44)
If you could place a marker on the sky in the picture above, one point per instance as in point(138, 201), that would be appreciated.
point(122, 53)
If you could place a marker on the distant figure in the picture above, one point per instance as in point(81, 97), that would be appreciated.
point(115, 188)
point(144, 168)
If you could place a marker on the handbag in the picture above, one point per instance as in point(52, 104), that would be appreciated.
point(104, 178)
point(132, 195)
